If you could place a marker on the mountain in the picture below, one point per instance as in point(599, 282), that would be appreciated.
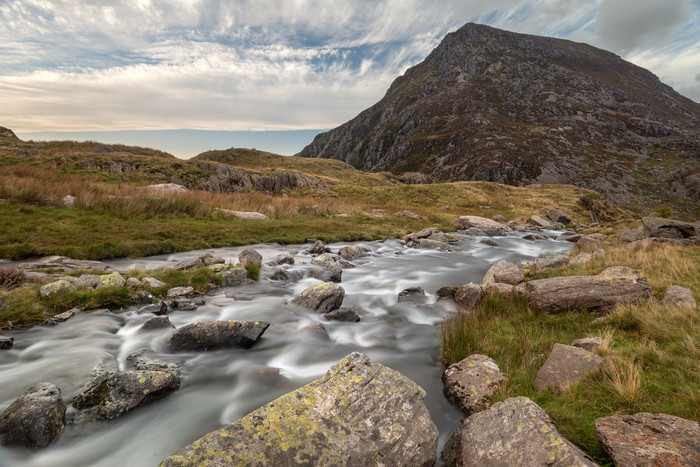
point(518, 109)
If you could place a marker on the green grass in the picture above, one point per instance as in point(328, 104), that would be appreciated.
point(651, 366)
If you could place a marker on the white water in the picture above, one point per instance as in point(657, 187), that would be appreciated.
point(222, 386)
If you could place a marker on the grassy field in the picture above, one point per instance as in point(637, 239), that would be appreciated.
point(650, 366)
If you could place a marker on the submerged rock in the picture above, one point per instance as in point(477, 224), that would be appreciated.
point(513, 432)
point(471, 382)
point(344, 313)
point(209, 335)
point(360, 413)
point(34, 418)
point(411, 294)
point(6, 343)
point(321, 298)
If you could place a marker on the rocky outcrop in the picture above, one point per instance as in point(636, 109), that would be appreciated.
point(211, 335)
point(475, 225)
point(223, 178)
point(470, 383)
point(631, 235)
point(67, 264)
point(565, 366)
point(676, 295)
point(113, 394)
point(650, 439)
point(34, 418)
point(359, 413)
point(611, 287)
point(513, 432)
point(655, 227)
point(321, 298)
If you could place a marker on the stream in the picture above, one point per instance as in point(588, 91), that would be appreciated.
point(219, 387)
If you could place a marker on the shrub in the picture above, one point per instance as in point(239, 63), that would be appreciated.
point(11, 278)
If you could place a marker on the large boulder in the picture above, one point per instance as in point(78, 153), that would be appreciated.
point(360, 413)
point(557, 215)
point(321, 298)
point(318, 248)
point(111, 280)
point(209, 335)
point(34, 418)
point(476, 224)
point(650, 439)
point(513, 432)
point(631, 235)
point(678, 296)
point(146, 360)
point(235, 276)
point(538, 221)
point(669, 228)
point(589, 243)
point(503, 271)
point(113, 394)
point(566, 365)
point(250, 256)
point(609, 288)
point(468, 295)
point(285, 258)
point(471, 382)
point(351, 253)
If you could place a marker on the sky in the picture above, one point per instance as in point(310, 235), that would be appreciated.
point(269, 65)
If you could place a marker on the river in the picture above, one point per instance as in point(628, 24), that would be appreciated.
point(219, 387)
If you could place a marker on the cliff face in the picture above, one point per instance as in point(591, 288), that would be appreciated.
point(498, 106)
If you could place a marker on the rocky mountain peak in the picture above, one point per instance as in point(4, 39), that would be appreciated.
point(7, 133)
point(499, 106)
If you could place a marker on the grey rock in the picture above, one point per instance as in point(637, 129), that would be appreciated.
point(331, 269)
point(133, 282)
point(581, 258)
point(539, 221)
point(573, 238)
point(180, 291)
point(631, 235)
point(244, 214)
point(609, 288)
point(318, 248)
point(285, 258)
point(152, 282)
point(471, 382)
point(503, 271)
point(68, 201)
point(119, 392)
point(410, 214)
point(199, 262)
point(489, 241)
point(66, 315)
point(360, 413)
point(160, 309)
point(88, 280)
point(34, 418)
point(183, 305)
point(6, 343)
point(590, 343)
point(566, 365)
point(500, 218)
point(428, 244)
point(250, 256)
point(498, 288)
point(487, 226)
point(650, 439)
point(678, 296)
point(552, 262)
point(316, 331)
point(52, 288)
point(532, 237)
point(142, 297)
point(235, 276)
point(210, 335)
point(351, 253)
point(468, 295)
point(590, 243)
point(410, 294)
point(148, 361)
point(513, 432)
point(65, 263)
point(281, 275)
point(325, 260)
point(557, 215)
point(321, 298)
point(344, 313)
point(111, 280)
point(158, 322)
point(668, 228)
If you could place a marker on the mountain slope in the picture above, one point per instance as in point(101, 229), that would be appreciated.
point(498, 106)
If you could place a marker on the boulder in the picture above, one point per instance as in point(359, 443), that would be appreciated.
point(34, 418)
point(147, 360)
point(676, 295)
point(651, 242)
point(503, 271)
point(590, 243)
point(410, 214)
point(344, 313)
point(183, 305)
point(429, 233)
point(499, 218)
point(581, 258)
point(487, 226)
point(113, 394)
point(211, 335)
point(111, 280)
point(565, 366)
point(152, 283)
point(360, 413)
point(318, 248)
point(650, 439)
point(68, 201)
point(180, 291)
point(316, 331)
point(669, 228)
point(65, 263)
point(235, 276)
point(52, 288)
point(631, 235)
point(609, 288)
point(321, 298)
point(280, 275)
point(250, 256)
point(89, 281)
point(244, 214)
point(331, 269)
point(160, 308)
point(498, 288)
point(538, 221)
point(284, 258)
point(590, 343)
point(199, 262)
point(468, 295)
point(513, 432)
point(489, 242)
point(557, 215)
point(141, 297)
point(133, 282)
point(471, 382)
point(428, 244)
point(552, 262)
point(158, 322)
point(6, 343)
point(446, 292)
point(410, 294)
point(351, 253)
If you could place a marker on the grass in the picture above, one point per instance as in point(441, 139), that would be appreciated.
point(650, 365)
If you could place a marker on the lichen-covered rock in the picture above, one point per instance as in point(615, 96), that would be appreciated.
point(513, 432)
point(321, 298)
point(411, 293)
point(112, 395)
point(250, 256)
point(34, 418)
point(52, 288)
point(678, 296)
point(146, 360)
point(487, 226)
point(566, 365)
point(210, 335)
point(152, 282)
point(180, 291)
point(235, 276)
point(88, 280)
point(325, 260)
point(331, 270)
point(351, 253)
point(360, 413)
point(650, 439)
point(557, 215)
point(344, 313)
point(318, 248)
point(111, 280)
point(468, 295)
point(503, 271)
point(219, 267)
point(609, 288)
point(471, 382)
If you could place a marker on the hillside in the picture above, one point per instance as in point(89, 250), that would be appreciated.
point(511, 108)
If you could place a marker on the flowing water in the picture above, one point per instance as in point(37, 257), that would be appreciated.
point(219, 387)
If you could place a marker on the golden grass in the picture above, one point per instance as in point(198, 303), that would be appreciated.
point(626, 378)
